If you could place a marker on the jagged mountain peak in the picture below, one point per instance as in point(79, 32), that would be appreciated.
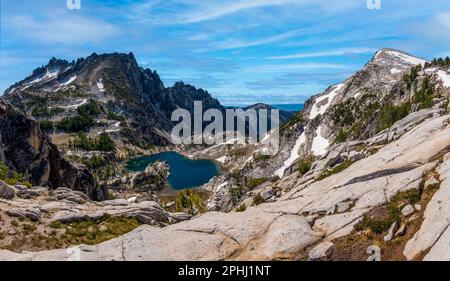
point(117, 83)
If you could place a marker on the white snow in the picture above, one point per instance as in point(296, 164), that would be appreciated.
point(445, 78)
point(48, 75)
point(430, 70)
point(222, 159)
point(232, 141)
point(75, 106)
point(319, 144)
point(71, 79)
point(315, 110)
point(117, 124)
point(395, 71)
point(409, 59)
point(294, 156)
point(249, 159)
point(100, 86)
point(109, 131)
point(221, 186)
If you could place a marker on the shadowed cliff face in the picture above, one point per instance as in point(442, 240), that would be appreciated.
point(27, 150)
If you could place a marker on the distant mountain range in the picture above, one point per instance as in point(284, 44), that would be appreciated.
point(132, 101)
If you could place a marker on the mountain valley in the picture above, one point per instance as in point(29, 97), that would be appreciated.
point(362, 172)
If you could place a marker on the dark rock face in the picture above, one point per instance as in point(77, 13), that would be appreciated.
point(27, 150)
point(136, 93)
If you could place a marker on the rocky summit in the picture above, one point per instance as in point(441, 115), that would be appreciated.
point(363, 172)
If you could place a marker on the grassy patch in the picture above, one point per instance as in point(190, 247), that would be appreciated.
point(339, 168)
point(305, 165)
point(188, 200)
point(12, 177)
point(92, 232)
point(241, 208)
point(236, 193)
point(389, 214)
point(258, 199)
point(252, 183)
point(341, 136)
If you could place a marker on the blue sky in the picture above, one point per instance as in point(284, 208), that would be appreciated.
point(242, 52)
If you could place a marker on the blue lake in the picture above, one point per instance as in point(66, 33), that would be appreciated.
point(184, 172)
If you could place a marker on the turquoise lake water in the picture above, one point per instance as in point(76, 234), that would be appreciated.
point(184, 172)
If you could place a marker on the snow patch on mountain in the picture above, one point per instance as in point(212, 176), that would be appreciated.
point(49, 74)
point(407, 58)
point(445, 77)
point(75, 106)
point(100, 86)
point(294, 156)
point(70, 80)
point(222, 159)
point(318, 109)
point(319, 144)
point(395, 71)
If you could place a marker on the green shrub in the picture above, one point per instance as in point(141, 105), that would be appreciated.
point(410, 78)
point(241, 208)
point(341, 136)
point(114, 116)
point(76, 123)
point(378, 226)
point(258, 199)
point(188, 200)
point(305, 165)
point(105, 143)
point(339, 168)
point(83, 121)
point(13, 177)
point(94, 162)
point(91, 108)
point(425, 95)
point(391, 114)
point(261, 158)
point(235, 193)
point(46, 125)
point(252, 183)
point(101, 143)
point(42, 111)
point(92, 232)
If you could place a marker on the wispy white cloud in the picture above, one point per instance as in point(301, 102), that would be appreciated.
point(210, 10)
point(436, 28)
point(75, 31)
point(443, 19)
point(331, 53)
point(269, 68)
point(235, 43)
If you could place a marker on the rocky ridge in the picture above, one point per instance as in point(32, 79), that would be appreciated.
point(372, 192)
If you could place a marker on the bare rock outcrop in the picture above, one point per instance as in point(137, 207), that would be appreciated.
point(300, 219)
point(27, 150)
